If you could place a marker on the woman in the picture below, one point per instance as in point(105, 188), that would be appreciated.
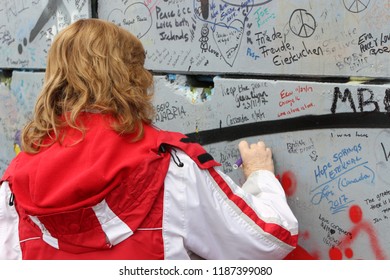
point(96, 180)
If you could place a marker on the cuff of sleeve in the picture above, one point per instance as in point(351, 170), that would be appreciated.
point(262, 181)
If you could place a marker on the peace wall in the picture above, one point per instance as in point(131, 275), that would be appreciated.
point(27, 28)
point(260, 37)
point(330, 147)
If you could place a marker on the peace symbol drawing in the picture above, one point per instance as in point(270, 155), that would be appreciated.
point(302, 23)
point(356, 6)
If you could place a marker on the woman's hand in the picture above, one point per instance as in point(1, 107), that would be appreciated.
point(255, 157)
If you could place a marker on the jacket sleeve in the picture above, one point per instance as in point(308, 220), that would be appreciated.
point(9, 220)
point(216, 219)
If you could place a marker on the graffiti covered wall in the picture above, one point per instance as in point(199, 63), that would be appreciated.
point(17, 99)
point(27, 28)
point(305, 37)
point(330, 146)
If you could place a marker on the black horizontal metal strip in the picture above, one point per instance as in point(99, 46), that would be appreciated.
point(308, 122)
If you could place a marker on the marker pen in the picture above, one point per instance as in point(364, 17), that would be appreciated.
point(238, 163)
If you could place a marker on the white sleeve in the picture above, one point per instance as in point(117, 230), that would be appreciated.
point(207, 214)
point(9, 221)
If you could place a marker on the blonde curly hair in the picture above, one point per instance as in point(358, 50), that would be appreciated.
point(92, 65)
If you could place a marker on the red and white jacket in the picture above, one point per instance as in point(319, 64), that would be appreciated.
point(159, 198)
